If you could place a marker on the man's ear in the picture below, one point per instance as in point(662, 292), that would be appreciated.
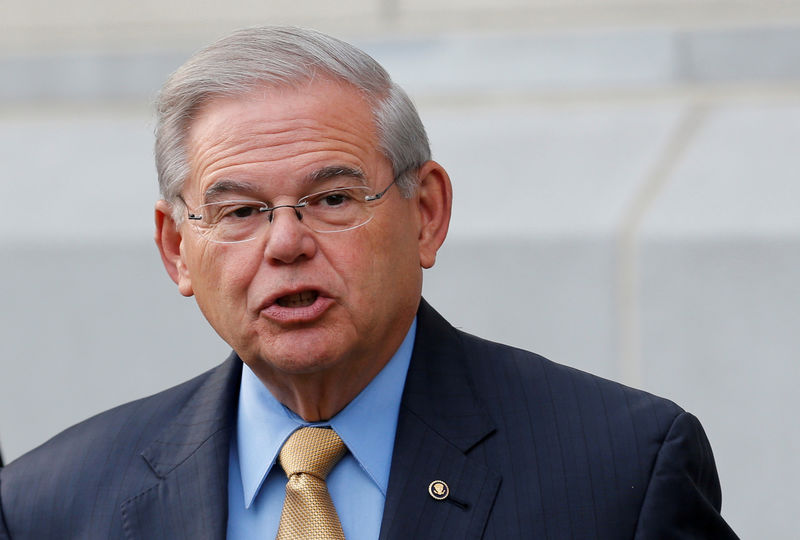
point(169, 241)
point(435, 199)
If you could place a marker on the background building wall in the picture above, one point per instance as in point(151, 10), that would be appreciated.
point(625, 202)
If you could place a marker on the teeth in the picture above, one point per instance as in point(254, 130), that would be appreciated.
point(303, 299)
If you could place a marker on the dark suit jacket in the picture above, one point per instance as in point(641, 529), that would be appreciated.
point(528, 448)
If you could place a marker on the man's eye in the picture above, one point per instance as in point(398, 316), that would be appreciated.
point(238, 211)
point(330, 199)
point(334, 199)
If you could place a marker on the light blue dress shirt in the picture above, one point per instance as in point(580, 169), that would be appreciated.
point(257, 484)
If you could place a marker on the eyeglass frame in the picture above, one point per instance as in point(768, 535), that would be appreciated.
point(301, 203)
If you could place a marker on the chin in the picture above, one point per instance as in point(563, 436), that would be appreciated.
point(300, 356)
point(299, 350)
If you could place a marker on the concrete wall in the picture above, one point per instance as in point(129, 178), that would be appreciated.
point(625, 191)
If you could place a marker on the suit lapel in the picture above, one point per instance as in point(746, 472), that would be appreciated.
point(440, 422)
point(190, 460)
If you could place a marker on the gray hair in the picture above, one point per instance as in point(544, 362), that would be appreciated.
point(283, 57)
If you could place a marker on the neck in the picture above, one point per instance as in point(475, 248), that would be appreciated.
point(320, 395)
point(317, 397)
point(325, 387)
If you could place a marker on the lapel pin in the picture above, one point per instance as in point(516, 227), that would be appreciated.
point(438, 490)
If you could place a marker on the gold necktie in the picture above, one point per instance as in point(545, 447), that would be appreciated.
point(307, 457)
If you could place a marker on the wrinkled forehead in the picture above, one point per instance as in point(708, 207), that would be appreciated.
point(271, 131)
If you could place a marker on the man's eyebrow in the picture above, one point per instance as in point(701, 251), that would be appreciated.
point(335, 171)
point(225, 186)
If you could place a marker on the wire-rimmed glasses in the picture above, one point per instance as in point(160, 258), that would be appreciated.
point(333, 210)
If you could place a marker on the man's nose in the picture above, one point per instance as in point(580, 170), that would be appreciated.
point(288, 239)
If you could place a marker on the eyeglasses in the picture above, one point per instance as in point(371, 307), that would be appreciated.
point(333, 210)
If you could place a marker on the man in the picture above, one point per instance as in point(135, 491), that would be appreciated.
point(300, 205)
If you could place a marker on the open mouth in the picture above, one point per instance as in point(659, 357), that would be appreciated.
point(296, 300)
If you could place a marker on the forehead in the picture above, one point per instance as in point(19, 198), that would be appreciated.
point(282, 133)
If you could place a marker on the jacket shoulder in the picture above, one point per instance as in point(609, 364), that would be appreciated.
point(530, 377)
point(116, 427)
point(93, 466)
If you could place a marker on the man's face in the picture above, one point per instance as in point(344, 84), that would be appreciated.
point(292, 301)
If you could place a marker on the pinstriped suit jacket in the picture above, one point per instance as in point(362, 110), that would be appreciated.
point(528, 448)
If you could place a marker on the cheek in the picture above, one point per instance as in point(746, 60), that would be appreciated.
point(394, 258)
point(222, 270)
point(349, 262)
point(356, 267)
point(222, 294)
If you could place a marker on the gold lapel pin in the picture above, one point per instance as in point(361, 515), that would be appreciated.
point(438, 490)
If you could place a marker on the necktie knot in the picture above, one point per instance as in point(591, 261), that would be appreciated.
point(307, 457)
point(311, 450)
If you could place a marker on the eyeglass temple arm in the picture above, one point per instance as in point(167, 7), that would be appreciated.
point(377, 196)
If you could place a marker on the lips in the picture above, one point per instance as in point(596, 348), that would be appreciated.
point(298, 300)
point(297, 306)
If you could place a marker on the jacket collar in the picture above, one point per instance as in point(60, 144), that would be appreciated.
point(441, 421)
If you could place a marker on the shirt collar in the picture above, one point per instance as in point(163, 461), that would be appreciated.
point(367, 424)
